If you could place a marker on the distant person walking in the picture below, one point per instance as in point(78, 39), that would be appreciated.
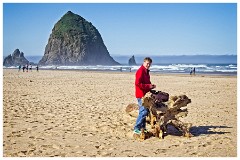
point(19, 68)
point(27, 67)
point(23, 68)
point(37, 68)
point(194, 71)
point(191, 71)
point(30, 67)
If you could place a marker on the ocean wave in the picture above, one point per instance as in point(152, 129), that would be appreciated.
point(170, 68)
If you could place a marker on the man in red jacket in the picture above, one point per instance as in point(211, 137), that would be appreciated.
point(142, 86)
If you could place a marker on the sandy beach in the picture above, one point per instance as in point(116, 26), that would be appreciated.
point(53, 113)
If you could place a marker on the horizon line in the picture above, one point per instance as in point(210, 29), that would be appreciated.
point(163, 55)
point(149, 55)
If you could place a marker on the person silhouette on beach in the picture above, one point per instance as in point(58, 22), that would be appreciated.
point(37, 68)
point(30, 67)
point(142, 86)
point(27, 67)
point(19, 68)
point(23, 68)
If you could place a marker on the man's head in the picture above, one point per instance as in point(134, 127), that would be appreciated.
point(147, 62)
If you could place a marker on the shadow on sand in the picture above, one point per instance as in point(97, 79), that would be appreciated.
point(197, 130)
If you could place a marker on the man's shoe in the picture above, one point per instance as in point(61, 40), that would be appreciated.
point(136, 131)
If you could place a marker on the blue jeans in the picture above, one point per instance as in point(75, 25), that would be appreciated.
point(143, 112)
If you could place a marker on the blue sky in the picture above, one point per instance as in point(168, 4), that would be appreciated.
point(128, 28)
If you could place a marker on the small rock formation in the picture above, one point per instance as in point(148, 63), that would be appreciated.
point(75, 41)
point(17, 58)
point(132, 62)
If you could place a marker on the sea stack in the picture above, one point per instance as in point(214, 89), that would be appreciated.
point(75, 41)
point(132, 62)
point(17, 58)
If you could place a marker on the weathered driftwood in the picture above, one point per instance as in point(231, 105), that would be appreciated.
point(143, 135)
point(163, 114)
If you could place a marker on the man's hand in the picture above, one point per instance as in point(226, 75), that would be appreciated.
point(152, 86)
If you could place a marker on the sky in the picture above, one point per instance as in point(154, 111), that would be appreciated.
point(128, 28)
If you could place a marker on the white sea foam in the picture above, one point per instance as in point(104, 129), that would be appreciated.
point(168, 68)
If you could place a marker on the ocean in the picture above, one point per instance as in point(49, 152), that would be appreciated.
point(204, 64)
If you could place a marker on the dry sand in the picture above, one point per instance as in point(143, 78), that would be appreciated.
point(81, 113)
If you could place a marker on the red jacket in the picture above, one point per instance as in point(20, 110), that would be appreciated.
point(142, 82)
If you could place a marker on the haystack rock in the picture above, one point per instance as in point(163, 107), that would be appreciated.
point(75, 41)
point(17, 58)
point(132, 62)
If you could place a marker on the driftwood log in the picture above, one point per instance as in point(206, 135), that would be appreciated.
point(162, 114)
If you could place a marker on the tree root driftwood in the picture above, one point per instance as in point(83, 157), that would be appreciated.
point(162, 114)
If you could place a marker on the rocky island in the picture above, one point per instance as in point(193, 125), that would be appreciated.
point(15, 59)
point(132, 62)
point(75, 41)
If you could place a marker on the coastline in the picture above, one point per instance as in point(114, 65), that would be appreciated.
point(82, 113)
point(201, 74)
